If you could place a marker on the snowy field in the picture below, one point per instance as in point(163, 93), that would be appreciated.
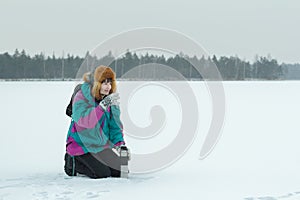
point(256, 158)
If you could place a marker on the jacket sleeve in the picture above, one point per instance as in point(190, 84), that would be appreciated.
point(84, 114)
point(116, 126)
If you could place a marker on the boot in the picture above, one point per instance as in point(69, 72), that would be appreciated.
point(69, 165)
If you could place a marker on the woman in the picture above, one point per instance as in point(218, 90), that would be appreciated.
point(95, 129)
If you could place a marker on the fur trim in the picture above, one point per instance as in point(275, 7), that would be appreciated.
point(86, 77)
point(101, 73)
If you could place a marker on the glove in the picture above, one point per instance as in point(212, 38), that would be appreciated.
point(109, 100)
point(118, 149)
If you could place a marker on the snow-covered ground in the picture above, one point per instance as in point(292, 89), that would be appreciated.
point(256, 158)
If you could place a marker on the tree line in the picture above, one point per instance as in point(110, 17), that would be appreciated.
point(22, 66)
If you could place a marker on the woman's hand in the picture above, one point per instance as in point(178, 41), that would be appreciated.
point(109, 100)
point(119, 149)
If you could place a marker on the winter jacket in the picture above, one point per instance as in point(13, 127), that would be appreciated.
point(92, 129)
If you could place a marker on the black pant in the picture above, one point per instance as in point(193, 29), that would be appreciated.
point(98, 165)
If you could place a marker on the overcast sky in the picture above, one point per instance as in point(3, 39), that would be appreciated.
point(222, 27)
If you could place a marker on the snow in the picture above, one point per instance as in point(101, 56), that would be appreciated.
point(256, 158)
